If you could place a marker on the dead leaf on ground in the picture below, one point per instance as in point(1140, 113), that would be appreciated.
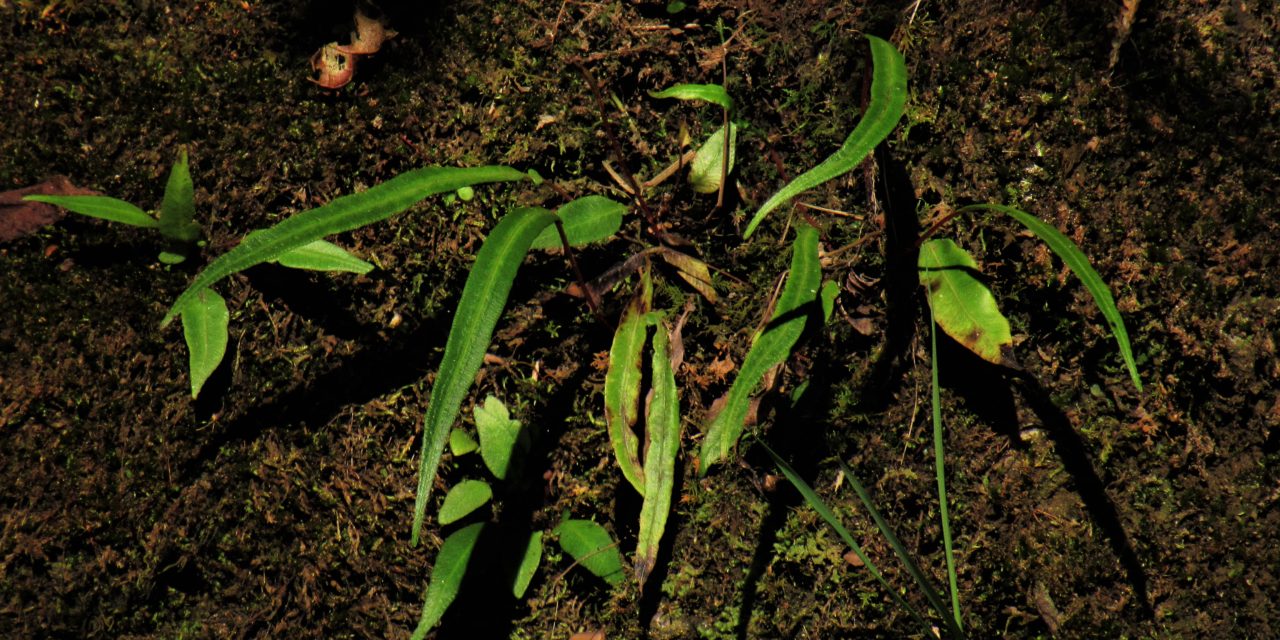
point(19, 218)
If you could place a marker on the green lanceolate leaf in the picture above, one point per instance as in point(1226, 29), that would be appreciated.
point(708, 164)
point(483, 298)
point(204, 326)
point(662, 432)
point(1074, 258)
point(820, 506)
point(586, 220)
point(446, 576)
point(322, 255)
point(771, 347)
point(178, 209)
point(622, 384)
point(713, 93)
point(499, 435)
point(463, 498)
point(592, 547)
point(962, 306)
point(888, 100)
point(343, 214)
point(104, 207)
point(528, 565)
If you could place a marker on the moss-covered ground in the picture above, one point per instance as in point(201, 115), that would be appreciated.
point(278, 505)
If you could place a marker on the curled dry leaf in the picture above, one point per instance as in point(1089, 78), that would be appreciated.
point(19, 218)
point(334, 64)
point(331, 68)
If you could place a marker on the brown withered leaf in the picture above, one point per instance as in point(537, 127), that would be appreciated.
point(19, 218)
point(692, 271)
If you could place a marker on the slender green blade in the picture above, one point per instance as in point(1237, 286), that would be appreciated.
point(708, 164)
point(888, 101)
point(446, 576)
point(825, 512)
point(463, 498)
point(343, 214)
point(771, 347)
point(204, 327)
point(1075, 259)
point(528, 565)
point(104, 207)
point(962, 305)
point(586, 220)
point(940, 472)
point(499, 435)
point(322, 255)
point(662, 430)
point(483, 298)
point(178, 209)
point(713, 93)
point(592, 547)
point(622, 385)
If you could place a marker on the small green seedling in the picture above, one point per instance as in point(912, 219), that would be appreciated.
point(174, 220)
point(502, 444)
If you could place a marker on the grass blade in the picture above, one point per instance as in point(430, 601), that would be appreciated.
point(771, 347)
point(204, 327)
point(622, 385)
point(940, 471)
point(888, 100)
point(343, 214)
point(483, 298)
point(824, 511)
point(662, 430)
point(446, 576)
point(1079, 264)
point(961, 303)
point(104, 207)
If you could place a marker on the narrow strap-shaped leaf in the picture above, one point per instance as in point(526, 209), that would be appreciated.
point(178, 209)
point(622, 385)
point(962, 305)
point(662, 431)
point(713, 93)
point(104, 207)
point(587, 219)
point(446, 576)
point(900, 550)
point(1079, 264)
point(940, 473)
point(483, 298)
point(343, 214)
point(824, 511)
point(592, 547)
point(772, 347)
point(888, 100)
point(204, 327)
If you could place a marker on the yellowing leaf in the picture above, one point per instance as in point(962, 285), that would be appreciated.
point(962, 306)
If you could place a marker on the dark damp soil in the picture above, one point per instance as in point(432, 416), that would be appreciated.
point(279, 503)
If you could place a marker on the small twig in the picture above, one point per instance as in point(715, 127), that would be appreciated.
point(612, 136)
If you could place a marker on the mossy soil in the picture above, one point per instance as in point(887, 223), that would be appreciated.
point(279, 504)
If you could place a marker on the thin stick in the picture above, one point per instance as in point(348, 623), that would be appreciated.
point(612, 136)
